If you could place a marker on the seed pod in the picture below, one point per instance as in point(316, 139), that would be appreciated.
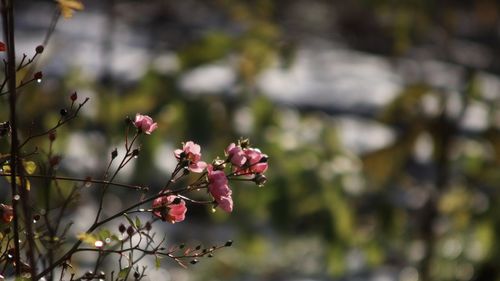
point(114, 153)
point(122, 228)
point(130, 231)
point(39, 49)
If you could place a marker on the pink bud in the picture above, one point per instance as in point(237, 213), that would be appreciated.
point(145, 123)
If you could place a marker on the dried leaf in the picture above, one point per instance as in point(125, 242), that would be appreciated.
point(68, 7)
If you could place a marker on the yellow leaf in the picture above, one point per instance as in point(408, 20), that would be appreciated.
point(29, 166)
point(87, 238)
point(68, 7)
point(6, 170)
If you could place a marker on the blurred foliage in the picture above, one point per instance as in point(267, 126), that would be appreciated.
point(325, 212)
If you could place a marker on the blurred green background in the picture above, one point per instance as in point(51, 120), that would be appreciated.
point(380, 120)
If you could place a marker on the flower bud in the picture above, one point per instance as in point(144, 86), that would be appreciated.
point(244, 143)
point(122, 228)
point(130, 230)
point(114, 153)
point(38, 75)
point(264, 158)
point(52, 135)
point(39, 49)
point(73, 96)
point(260, 179)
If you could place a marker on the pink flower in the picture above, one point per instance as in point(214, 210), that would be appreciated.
point(145, 123)
point(192, 152)
point(226, 203)
point(170, 208)
point(219, 189)
point(236, 155)
point(246, 161)
point(256, 160)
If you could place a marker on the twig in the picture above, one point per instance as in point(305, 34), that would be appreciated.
point(8, 22)
point(134, 187)
point(59, 124)
point(94, 226)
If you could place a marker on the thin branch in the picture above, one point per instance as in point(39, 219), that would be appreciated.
point(23, 83)
point(134, 187)
point(7, 11)
point(59, 124)
point(94, 226)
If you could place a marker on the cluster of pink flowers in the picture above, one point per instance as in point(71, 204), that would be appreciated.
point(219, 188)
point(170, 208)
point(191, 152)
point(246, 160)
point(217, 181)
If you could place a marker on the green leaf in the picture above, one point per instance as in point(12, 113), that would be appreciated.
point(123, 273)
point(138, 223)
point(157, 262)
point(103, 234)
point(129, 220)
